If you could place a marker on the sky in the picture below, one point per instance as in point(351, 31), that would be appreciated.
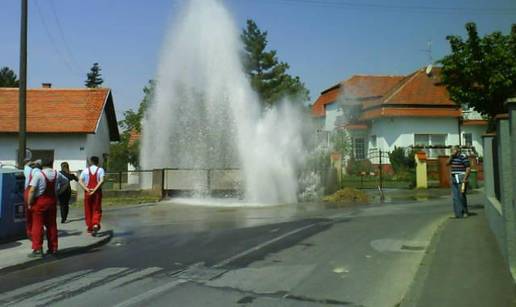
point(324, 41)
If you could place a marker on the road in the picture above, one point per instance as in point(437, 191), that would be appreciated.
point(291, 255)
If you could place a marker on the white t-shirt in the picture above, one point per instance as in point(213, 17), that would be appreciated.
point(27, 170)
point(39, 182)
point(85, 176)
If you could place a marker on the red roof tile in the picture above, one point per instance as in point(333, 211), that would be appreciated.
point(58, 110)
point(369, 86)
point(327, 96)
point(475, 122)
point(420, 89)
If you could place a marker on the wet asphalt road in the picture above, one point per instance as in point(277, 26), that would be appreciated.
point(292, 255)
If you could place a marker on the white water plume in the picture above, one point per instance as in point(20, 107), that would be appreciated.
point(206, 116)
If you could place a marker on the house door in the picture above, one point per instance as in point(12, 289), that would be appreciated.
point(42, 154)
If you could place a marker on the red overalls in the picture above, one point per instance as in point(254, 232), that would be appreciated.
point(92, 203)
point(28, 214)
point(44, 213)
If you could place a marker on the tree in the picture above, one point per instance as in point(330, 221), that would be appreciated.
point(94, 79)
point(267, 74)
point(8, 78)
point(480, 72)
point(126, 151)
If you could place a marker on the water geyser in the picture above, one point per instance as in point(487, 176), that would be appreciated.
point(205, 115)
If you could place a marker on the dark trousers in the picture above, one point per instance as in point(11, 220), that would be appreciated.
point(64, 205)
point(460, 202)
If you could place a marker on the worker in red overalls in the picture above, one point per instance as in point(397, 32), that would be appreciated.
point(44, 187)
point(28, 171)
point(91, 181)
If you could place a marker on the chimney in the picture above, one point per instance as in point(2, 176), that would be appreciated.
point(46, 85)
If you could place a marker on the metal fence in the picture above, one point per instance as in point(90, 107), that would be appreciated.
point(173, 179)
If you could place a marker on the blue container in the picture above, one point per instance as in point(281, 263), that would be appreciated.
point(12, 210)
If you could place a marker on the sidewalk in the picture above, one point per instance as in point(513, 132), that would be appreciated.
point(73, 238)
point(463, 267)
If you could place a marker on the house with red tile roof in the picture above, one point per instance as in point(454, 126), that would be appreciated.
point(63, 124)
point(383, 112)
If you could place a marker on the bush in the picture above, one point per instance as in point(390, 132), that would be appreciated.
point(356, 167)
point(400, 161)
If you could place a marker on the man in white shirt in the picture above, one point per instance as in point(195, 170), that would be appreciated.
point(44, 187)
point(30, 168)
point(91, 180)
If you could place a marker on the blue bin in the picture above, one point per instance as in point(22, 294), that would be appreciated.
point(12, 210)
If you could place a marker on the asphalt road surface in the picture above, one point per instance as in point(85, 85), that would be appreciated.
point(291, 255)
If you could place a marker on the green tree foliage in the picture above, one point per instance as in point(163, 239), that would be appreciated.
point(401, 161)
point(480, 72)
point(8, 78)
point(268, 76)
point(94, 79)
point(126, 151)
point(341, 142)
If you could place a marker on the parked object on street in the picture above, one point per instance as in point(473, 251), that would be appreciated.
point(12, 213)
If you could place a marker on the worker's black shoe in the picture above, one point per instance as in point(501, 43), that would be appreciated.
point(51, 252)
point(37, 253)
point(95, 230)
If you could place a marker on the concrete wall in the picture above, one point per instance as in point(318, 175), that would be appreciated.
point(501, 210)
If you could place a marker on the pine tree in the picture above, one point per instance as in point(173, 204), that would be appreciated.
point(94, 79)
point(269, 77)
point(8, 78)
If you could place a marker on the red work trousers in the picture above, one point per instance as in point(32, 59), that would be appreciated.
point(93, 209)
point(28, 214)
point(44, 217)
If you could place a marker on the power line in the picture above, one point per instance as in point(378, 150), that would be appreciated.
point(52, 39)
point(61, 32)
point(412, 8)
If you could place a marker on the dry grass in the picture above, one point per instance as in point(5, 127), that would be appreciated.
point(347, 195)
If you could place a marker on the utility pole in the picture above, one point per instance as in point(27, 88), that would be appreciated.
point(22, 136)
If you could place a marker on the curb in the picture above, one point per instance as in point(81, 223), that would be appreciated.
point(411, 296)
point(63, 253)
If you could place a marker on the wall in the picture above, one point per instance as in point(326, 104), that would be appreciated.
point(332, 110)
point(400, 131)
point(477, 132)
point(67, 147)
point(98, 144)
point(499, 170)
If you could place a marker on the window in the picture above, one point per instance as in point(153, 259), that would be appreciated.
point(431, 140)
point(422, 140)
point(468, 139)
point(359, 148)
point(373, 141)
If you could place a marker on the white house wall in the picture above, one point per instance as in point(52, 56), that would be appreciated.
point(333, 110)
point(476, 132)
point(399, 132)
point(98, 144)
point(67, 147)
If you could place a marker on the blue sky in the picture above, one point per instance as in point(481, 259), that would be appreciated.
point(324, 41)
